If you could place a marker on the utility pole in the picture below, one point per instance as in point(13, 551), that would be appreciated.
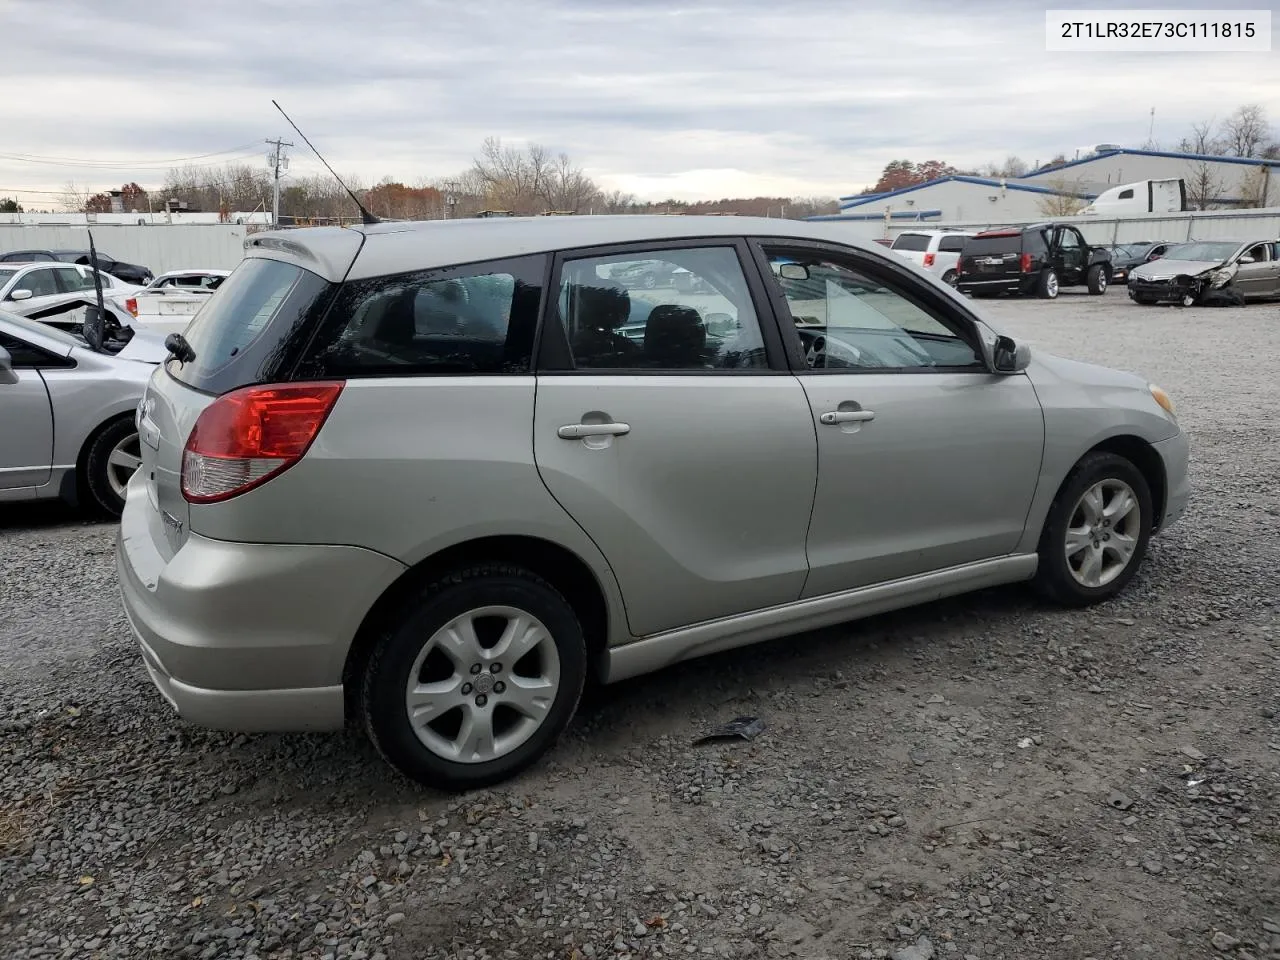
point(277, 161)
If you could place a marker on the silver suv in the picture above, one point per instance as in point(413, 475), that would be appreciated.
point(433, 477)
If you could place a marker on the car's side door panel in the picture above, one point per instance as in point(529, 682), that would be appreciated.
point(692, 471)
point(26, 425)
point(926, 458)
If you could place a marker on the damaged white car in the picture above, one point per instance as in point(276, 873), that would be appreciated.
point(1210, 273)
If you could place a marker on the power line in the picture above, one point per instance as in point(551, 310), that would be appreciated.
point(115, 164)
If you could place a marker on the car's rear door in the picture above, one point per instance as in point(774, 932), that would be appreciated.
point(669, 428)
point(926, 459)
point(26, 418)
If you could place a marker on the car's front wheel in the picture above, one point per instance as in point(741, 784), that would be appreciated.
point(475, 679)
point(113, 457)
point(1047, 287)
point(1096, 533)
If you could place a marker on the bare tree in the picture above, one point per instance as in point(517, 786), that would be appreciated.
point(1065, 201)
point(616, 201)
point(513, 179)
point(1204, 186)
point(1246, 131)
point(566, 188)
point(73, 198)
point(1203, 139)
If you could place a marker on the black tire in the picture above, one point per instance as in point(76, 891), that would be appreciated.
point(1054, 579)
point(1047, 285)
point(1097, 279)
point(1187, 300)
point(949, 278)
point(382, 699)
point(94, 478)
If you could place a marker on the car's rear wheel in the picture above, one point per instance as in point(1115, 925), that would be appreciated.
point(949, 278)
point(1097, 279)
point(113, 457)
point(1096, 533)
point(1047, 287)
point(475, 679)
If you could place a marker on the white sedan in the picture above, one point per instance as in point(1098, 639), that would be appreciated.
point(168, 302)
point(40, 290)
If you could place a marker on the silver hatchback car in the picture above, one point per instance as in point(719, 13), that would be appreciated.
point(432, 477)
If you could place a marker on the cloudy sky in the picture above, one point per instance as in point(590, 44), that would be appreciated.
point(679, 98)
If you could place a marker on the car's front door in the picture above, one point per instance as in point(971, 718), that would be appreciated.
point(926, 459)
point(26, 419)
point(1256, 272)
point(41, 284)
point(669, 427)
point(1073, 255)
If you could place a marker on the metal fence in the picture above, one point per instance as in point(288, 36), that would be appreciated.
point(160, 246)
point(1262, 224)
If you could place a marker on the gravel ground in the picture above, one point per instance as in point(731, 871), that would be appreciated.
point(982, 777)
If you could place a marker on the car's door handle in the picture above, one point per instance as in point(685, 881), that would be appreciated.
point(577, 431)
point(847, 416)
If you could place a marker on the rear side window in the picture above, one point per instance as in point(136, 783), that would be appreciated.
point(1125, 194)
point(1000, 243)
point(248, 331)
point(911, 241)
point(478, 319)
point(952, 244)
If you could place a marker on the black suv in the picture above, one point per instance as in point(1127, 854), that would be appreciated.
point(1037, 259)
point(128, 272)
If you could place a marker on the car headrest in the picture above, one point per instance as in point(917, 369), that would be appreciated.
point(675, 336)
point(604, 306)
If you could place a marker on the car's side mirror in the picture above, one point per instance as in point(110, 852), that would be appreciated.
point(793, 271)
point(20, 295)
point(1009, 356)
point(7, 373)
point(1246, 259)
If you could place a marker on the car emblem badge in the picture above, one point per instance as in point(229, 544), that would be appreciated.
point(484, 683)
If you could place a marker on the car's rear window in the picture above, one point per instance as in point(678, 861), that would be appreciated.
point(247, 331)
point(952, 244)
point(911, 241)
point(998, 243)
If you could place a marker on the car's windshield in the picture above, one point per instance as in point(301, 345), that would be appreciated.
point(1202, 251)
point(24, 325)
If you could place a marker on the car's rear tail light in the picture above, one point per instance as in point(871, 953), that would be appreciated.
point(928, 259)
point(1025, 261)
point(132, 306)
point(246, 437)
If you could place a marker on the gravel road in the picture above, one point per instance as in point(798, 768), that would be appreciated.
point(983, 777)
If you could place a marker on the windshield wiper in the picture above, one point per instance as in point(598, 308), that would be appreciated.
point(178, 348)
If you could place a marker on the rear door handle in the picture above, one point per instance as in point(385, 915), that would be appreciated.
point(847, 416)
point(577, 431)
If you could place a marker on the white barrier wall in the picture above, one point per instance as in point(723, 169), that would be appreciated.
point(161, 247)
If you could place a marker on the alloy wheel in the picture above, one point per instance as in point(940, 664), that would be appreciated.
point(482, 684)
point(1103, 533)
point(122, 462)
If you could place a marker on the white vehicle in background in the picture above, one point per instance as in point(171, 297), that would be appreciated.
point(42, 290)
point(937, 251)
point(168, 302)
point(1141, 196)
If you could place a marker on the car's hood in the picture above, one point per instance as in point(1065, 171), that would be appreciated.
point(1044, 364)
point(146, 346)
point(1164, 269)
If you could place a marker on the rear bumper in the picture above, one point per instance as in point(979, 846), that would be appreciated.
point(975, 283)
point(1174, 454)
point(246, 636)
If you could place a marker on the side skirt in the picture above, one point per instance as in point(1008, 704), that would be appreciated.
point(673, 646)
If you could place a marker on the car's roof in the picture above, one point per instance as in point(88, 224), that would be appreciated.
point(400, 247)
point(939, 233)
point(23, 264)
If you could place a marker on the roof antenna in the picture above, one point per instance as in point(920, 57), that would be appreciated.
point(365, 215)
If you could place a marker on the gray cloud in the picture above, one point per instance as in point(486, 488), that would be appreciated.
point(808, 96)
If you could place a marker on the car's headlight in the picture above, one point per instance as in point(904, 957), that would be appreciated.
point(1162, 398)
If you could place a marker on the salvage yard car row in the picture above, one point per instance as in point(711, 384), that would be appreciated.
point(1040, 259)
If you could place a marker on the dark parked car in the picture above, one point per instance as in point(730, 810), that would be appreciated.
point(1126, 256)
point(1039, 259)
point(128, 272)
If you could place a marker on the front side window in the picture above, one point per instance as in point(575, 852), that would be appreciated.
point(40, 282)
point(680, 309)
point(849, 320)
point(476, 320)
point(1067, 239)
